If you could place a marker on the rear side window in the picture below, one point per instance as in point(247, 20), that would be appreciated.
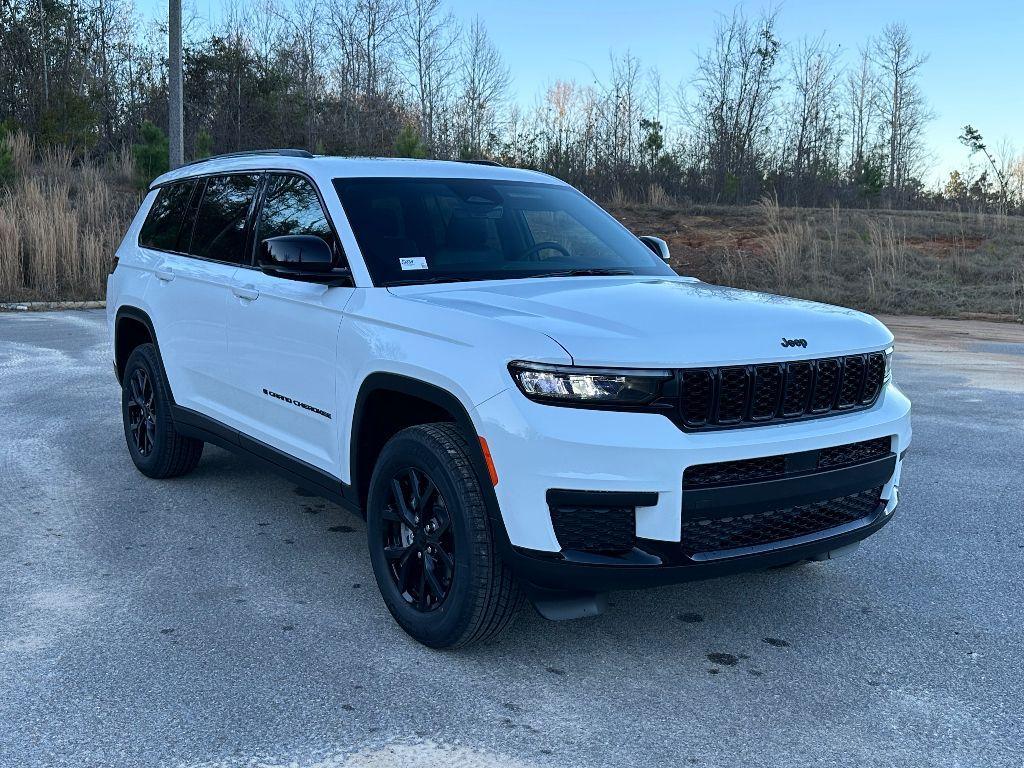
point(163, 224)
point(219, 231)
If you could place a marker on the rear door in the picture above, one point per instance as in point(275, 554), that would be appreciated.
point(161, 244)
point(283, 336)
point(193, 287)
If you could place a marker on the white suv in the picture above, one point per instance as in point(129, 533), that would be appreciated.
point(519, 395)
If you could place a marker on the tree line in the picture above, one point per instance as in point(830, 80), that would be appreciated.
point(760, 116)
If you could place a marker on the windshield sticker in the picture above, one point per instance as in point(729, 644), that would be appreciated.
point(413, 262)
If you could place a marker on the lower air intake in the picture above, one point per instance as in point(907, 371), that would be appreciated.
point(701, 536)
point(601, 530)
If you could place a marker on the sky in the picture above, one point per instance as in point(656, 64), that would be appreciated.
point(975, 73)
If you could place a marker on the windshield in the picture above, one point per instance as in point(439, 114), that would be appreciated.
point(439, 230)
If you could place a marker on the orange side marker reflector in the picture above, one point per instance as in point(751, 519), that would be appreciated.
point(489, 461)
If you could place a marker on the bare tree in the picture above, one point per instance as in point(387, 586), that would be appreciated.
point(813, 151)
point(44, 59)
point(364, 40)
point(861, 107)
point(304, 28)
point(1016, 176)
point(733, 113)
point(901, 103)
point(366, 31)
point(428, 38)
point(620, 113)
point(485, 82)
point(382, 76)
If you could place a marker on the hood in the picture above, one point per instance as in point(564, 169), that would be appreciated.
point(662, 322)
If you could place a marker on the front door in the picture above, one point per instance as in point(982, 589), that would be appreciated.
point(283, 337)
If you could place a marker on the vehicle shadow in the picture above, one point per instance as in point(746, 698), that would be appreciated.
point(713, 626)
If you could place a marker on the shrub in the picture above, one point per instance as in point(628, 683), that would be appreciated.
point(7, 174)
point(204, 144)
point(409, 144)
point(151, 154)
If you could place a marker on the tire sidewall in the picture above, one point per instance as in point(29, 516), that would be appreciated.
point(143, 357)
point(447, 623)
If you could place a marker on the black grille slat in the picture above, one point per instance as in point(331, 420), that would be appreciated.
point(767, 390)
point(768, 393)
point(733, 394)
point(826, 382)
point(873, 378)
point(777, 525)
point(697, 394)
point(797, 392)
point(852, 381)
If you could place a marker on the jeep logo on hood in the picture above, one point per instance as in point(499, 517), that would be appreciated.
point(794, 342)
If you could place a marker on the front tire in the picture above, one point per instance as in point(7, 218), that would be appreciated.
point(431, 544)
point(154, 444)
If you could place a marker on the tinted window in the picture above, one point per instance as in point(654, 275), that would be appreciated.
point(163, 224)
point(219, 231)
point(413, 230)
point(291, 207)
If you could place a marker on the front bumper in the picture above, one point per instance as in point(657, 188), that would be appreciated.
point(663, 564)
point(537, 448)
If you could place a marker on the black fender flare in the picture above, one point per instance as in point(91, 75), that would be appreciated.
point(395, 382)
point(139, 315)
point(406, 385)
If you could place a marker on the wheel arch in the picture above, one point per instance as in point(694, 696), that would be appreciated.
point(132, 327)
point(388, 402)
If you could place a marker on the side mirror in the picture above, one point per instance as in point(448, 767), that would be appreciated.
point(657, 245)
point(301, 257)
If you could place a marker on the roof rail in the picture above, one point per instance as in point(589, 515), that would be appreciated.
point(249, 153)
point(482, 162)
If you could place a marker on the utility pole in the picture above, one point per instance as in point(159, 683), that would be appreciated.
point(175, 119)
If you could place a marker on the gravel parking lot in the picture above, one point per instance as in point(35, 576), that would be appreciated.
point(229, 619)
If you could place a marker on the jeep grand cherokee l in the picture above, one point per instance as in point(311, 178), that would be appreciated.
point(520, 396)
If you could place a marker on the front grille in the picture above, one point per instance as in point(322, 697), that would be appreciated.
point(700, 536)
point(603, 530)
point(784, 465)
point(718, 398)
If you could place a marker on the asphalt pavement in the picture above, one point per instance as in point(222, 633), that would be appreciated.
point(229, 619)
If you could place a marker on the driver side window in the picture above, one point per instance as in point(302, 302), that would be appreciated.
point(291, 206)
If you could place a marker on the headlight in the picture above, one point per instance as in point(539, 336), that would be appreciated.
point(888, 364)
point(571, 384)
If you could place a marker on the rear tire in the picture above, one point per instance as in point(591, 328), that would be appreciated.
point(153, 442)
point(431, 545)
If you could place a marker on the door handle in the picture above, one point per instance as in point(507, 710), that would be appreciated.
point(165, 273)
point(245, 292)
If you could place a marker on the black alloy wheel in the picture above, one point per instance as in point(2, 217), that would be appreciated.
point(154, 443)
point(433, 549)
point(418, 541)
point(141, 412)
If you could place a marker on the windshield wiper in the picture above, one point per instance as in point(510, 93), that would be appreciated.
point(580, 272)
point(585, 272)
point(438, 279)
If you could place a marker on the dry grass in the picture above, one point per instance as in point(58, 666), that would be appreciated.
point(61, 221)
point(22, 152)
point(897, 262)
